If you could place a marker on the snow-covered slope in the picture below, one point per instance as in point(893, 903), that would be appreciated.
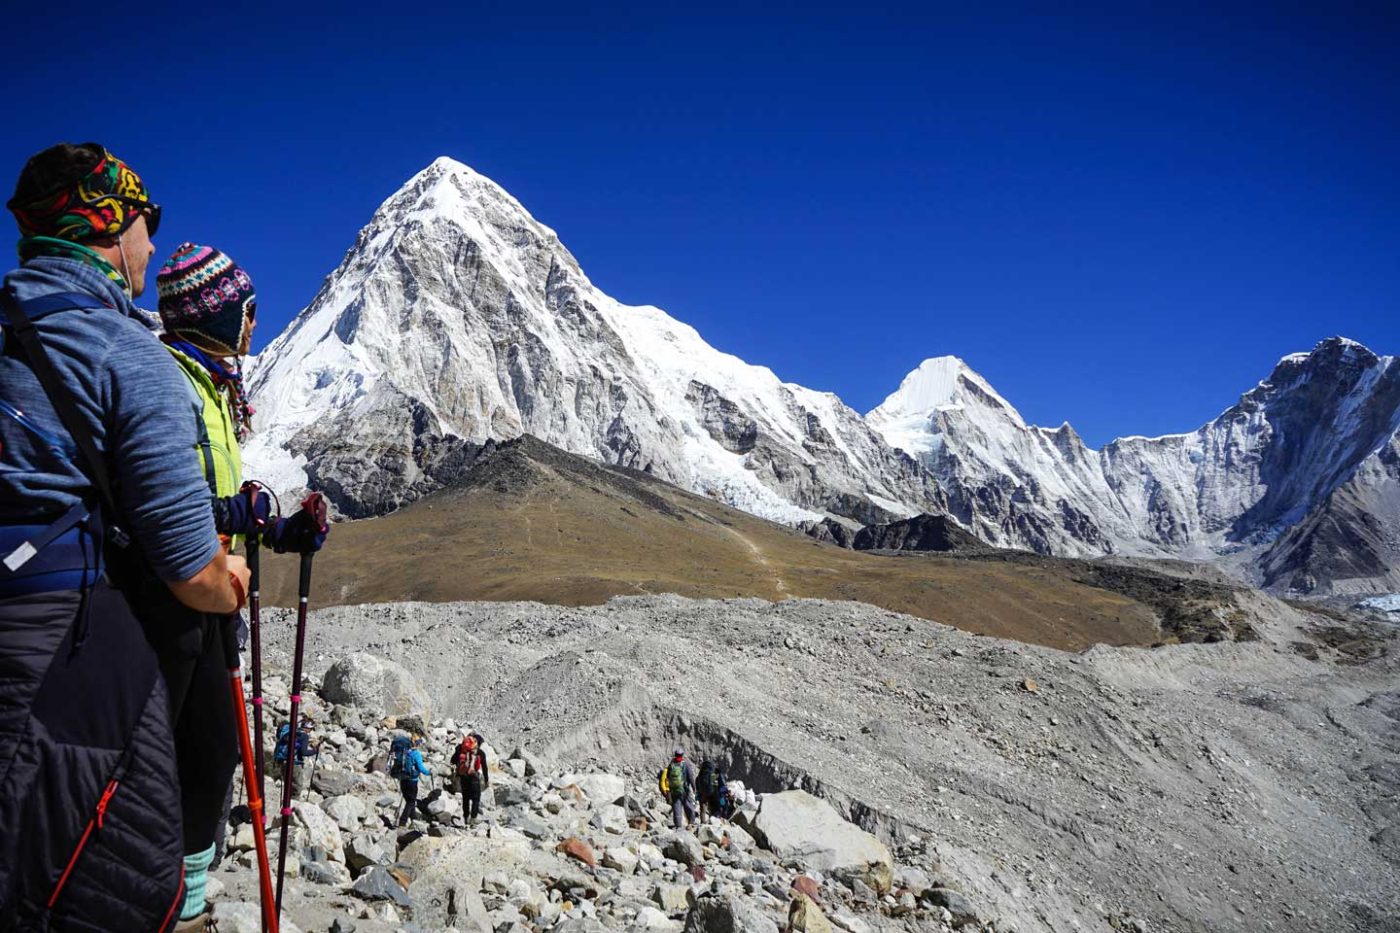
point(457, 317)
point(1291, 485)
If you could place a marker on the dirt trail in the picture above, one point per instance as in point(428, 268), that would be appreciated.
point(778, 585)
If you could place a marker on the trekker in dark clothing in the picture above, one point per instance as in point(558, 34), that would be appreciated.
point(711, 790)
point(413, 766)
point(677, 782)
point(110, 549)
point(469, 764)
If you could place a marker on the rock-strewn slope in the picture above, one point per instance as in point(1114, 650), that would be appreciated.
point(1223, 787)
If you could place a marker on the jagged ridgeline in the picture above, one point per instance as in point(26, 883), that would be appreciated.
point(456, 317)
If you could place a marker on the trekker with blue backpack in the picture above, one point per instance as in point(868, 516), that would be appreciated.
point(106, 536)
point(406, 764)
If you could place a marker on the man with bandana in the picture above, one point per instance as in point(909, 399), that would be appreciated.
point(102, 424)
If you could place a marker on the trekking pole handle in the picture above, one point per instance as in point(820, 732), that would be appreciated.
point(251, 551)
point(304, 583)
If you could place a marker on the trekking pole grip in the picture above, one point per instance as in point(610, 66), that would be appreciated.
point(304, 584)
point(250, 549)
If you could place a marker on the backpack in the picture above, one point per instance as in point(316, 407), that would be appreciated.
point(279, 753)
point(709, 779)
point(675, 778)
point(468, 760)
point(398, 756)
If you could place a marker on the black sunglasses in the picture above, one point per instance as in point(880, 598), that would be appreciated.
point(152, 212)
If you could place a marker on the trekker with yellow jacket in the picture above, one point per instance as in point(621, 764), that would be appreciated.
point(208, 307)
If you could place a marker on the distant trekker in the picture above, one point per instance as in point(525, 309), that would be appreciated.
point(712, 790)
point(677, 783)
point(469, 764)
point(406, 764)
point(300, 751)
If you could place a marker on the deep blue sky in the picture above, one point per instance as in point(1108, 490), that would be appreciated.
point(1121, 219)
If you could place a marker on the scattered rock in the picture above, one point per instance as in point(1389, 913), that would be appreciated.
point(804, 916)
point(347, 810)
point(672, 898)
point(620, 859)
point(321, 830)
point(955, 903)
point(683, 848)
point(245, 917)
point(379, 884)
point(722, 913)
point(578, 850)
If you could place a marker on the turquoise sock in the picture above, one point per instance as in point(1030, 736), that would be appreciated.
point(196, 872)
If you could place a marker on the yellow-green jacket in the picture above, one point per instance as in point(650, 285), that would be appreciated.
point(219, 460)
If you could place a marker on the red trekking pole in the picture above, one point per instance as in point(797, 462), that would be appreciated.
point(315, 507)
point(255, 646)
point(255, 797)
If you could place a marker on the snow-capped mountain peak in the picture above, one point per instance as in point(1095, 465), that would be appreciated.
point(940, 382)
point(457, 317)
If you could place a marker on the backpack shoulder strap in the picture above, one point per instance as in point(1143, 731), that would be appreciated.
point(21, 316)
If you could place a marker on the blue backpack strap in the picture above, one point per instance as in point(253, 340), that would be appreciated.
point(44, 305)
point(21, 316)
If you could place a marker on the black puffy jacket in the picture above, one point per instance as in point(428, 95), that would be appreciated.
point(89, 799)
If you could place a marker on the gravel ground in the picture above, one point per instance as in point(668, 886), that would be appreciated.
point(1205, 787)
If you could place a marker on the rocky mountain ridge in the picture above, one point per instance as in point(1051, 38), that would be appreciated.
point(458, 318)
point(1285, 487)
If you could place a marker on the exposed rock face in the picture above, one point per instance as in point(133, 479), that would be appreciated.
point(830, 531)
point(1292, 485)
point(920, 533)
point(457, 317)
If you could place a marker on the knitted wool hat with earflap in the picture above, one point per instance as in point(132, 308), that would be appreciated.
point(207, 304)
point(206, 298)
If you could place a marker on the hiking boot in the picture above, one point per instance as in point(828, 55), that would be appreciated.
point(204, 923)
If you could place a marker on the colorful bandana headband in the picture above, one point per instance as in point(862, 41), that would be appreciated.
point(206, 297)
point(104, 203)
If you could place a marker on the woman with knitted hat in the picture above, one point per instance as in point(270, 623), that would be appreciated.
point(208, 307)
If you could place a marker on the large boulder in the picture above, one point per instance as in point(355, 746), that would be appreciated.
point(447, 876)
point(376, 684)
point(321, 830)
point(796, 825)
point(601, 788)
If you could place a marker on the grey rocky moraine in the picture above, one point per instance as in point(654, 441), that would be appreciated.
point(1229, 786)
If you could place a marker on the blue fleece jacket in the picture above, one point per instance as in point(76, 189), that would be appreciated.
point(139, 405)
point(413, 766)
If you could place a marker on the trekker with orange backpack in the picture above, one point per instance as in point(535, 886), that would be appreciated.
point(469, 764)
